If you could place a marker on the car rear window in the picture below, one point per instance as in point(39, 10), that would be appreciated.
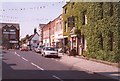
point(40, 46)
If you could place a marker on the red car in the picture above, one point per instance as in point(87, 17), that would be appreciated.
point(24, 48)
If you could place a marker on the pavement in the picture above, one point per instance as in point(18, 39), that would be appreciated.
point(91, 66)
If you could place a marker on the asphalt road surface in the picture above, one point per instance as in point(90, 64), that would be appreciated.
point(31, 66)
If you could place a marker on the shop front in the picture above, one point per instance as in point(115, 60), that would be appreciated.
point(52, 40)
point(74, 43)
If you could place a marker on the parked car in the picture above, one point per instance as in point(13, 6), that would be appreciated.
point(24, 48)
point(38, 49)
point(49, 51)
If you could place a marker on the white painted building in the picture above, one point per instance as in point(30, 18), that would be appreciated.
point(58, 31)
point(33, 40)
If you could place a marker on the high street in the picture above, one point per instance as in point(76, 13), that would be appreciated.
point(30, 65)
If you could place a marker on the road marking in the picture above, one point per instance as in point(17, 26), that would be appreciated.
point(57, 78)
point(24, 58)
point(37, 66)
point(17, 54)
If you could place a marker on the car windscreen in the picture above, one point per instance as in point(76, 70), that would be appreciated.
point(50, 49)
point(40, 46)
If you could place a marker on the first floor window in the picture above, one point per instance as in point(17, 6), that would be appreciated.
point(34, 41)
point(100, 41)
point(12, 36)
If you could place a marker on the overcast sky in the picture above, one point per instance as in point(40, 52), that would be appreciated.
point(29, 14)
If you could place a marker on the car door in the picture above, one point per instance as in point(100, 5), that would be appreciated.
point(42, 51)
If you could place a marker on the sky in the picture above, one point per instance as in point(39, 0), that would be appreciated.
point(30, 13)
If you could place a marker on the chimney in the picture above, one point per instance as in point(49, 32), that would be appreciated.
point(35, 30)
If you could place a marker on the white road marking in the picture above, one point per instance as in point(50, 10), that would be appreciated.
point(17, 54)
point(24, 58)
point(37, 66)
point(57, 78)
point(31, 62)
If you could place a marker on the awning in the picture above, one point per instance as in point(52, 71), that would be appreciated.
point(73, 35)
point(65, 36)
point(56, 40)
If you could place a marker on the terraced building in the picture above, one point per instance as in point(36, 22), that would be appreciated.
point(93, 29)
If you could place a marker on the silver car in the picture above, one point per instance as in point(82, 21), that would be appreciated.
point(38, 49)
point(49, 51)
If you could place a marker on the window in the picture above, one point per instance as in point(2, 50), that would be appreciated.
point(110, 35)
point(12, 30)
point(65, 26)
point(100, 42)
point(4, 29)
point(72, 4)
point(34, 41)
point(5, 36)
point(12, 36)
point(65, 10)
point(101, 10)
point(111, 9)
point(84, 17)
point(71, 21)
point(84, 42)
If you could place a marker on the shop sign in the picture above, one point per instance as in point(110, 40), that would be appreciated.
point(13, 41)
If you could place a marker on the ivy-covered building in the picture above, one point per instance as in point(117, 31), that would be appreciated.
point(93, 29)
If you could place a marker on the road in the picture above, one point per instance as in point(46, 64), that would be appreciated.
point(30, 65)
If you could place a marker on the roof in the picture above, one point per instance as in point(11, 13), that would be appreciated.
point(46, 25)
point(30, 37)
point(10, 24)
point(66, 4)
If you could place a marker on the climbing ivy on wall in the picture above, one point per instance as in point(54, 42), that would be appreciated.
point(100, 23)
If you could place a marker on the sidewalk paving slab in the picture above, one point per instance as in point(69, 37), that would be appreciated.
point(92, 66)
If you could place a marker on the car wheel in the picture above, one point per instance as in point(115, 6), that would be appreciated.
point(44, 55)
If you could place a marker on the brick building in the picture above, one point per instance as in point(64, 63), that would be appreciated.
point(48, 34)
point(41, 33)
